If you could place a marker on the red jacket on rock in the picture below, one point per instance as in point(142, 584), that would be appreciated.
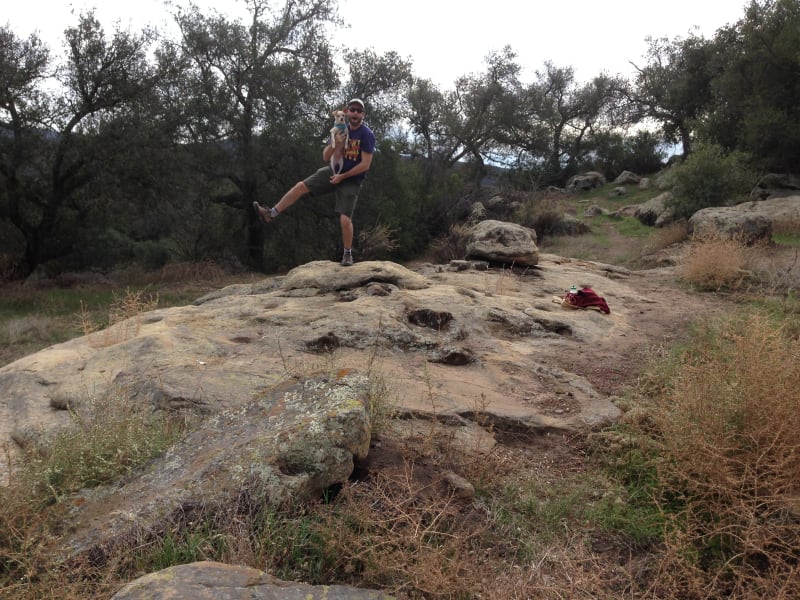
point(587, 298)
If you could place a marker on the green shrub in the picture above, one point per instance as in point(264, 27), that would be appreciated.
point(642, 153)
point(151, 255)
point(708, 177)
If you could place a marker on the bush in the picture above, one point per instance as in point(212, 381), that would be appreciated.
point(547, 216)
point(452, 246)
point(151, 254)
point(11, 267)
point(642, 153)
point(730, 462)
point(714, 263)
point(377, 242)
point(706, 178)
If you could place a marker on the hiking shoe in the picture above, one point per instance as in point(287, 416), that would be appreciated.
point(347, 259)
point(263, 213)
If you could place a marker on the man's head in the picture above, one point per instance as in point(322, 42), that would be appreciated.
point(355, 111)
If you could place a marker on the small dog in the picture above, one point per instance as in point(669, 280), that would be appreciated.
point(339, 126)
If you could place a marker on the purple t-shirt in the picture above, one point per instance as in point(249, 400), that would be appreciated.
point(361, 140)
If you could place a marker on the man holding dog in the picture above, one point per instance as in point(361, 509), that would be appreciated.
point(346, 184)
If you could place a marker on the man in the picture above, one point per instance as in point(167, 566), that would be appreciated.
point(346, 184)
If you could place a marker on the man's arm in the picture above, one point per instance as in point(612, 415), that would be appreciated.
point(362, 167)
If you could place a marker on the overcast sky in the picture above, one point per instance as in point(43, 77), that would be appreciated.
point(448, 38)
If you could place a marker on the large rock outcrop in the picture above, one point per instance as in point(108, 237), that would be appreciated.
point(216, 581)
point(477, 334)
point(751, 221)
point(628, 178)
point(656, 212)
point(276, 370)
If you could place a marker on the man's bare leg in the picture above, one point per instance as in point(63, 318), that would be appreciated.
point(347, 231)
point(297, 191)
point(347, 239)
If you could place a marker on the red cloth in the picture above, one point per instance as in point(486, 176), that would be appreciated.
point(587, 298)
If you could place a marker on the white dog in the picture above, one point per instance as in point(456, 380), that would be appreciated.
point(339, 126)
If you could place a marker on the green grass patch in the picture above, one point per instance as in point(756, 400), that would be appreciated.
point(602, 196)
point(536, 514)
point(610, 240)
point(627, 226)
point(615, 240)
point(34, 318)
point(54, 302)
point(787, 239)
point(629, 507)
point(180, 547)
point(106, 439)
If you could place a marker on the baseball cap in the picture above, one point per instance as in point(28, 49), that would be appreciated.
point(357, 101)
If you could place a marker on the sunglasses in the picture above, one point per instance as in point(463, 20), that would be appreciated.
point(356, 109)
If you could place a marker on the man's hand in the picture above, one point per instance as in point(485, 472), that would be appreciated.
point(338, 178)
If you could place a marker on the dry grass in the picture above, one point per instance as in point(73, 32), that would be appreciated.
point(393, 533)
point(664, 237)
point(776, 269)
point(404, 532)
point(714, 263)
point(502, 282)
point(195, 272)
point(452, 246)
point(608, 247)
point(787, 227)
point(205, 271)
point(124, 318)
point(729, 464)
point(23, 329)
point(108, 437)
point(35, 317)
point(377, 241)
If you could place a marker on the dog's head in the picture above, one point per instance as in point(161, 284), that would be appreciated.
point(339, 118)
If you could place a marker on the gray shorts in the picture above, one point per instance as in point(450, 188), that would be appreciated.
point(346, 192)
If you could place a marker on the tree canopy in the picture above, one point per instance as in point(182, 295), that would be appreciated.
point(133, 146)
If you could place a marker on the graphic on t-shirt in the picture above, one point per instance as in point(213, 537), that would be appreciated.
point(351, 151)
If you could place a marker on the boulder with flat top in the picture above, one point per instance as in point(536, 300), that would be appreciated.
point(501, 242)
